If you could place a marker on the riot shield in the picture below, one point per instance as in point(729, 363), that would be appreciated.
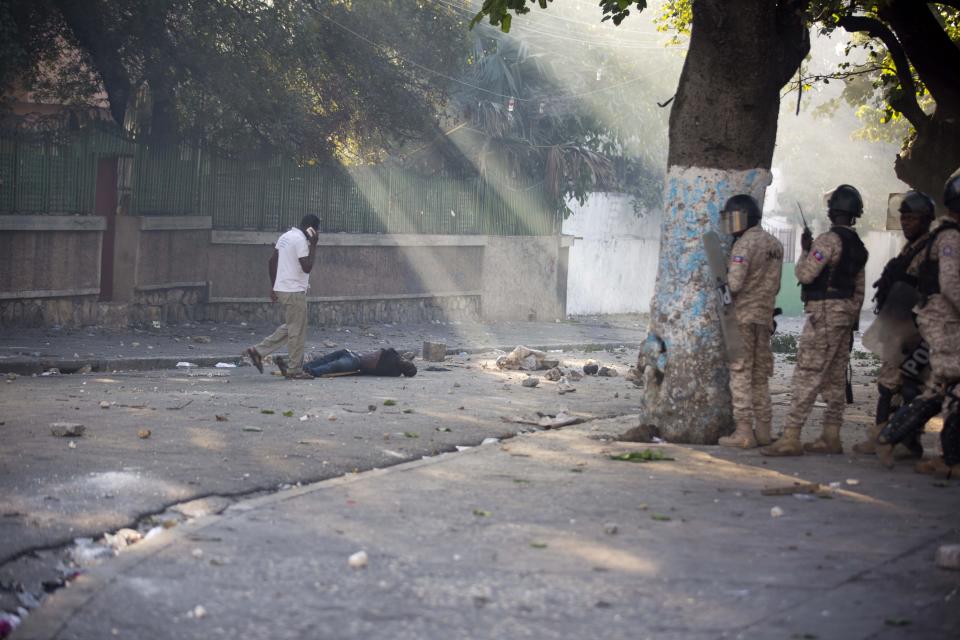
point(894, 333)
point(717, 263)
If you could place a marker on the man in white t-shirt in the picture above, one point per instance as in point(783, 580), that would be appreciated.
point(290, 267)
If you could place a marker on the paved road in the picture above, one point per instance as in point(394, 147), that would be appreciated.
point(544, 536)
point(234, 431)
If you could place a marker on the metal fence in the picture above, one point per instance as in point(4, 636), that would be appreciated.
point(57, 176)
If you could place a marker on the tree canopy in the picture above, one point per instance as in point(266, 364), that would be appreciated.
point(242, 74)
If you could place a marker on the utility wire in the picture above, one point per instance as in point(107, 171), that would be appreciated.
point(440, 74)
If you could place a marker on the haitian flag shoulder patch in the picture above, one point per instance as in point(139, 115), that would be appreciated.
point(818, 256)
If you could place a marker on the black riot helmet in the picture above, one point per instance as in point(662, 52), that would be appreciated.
point(739, 214)
point(951, 193)
point(917, 202)
point(845, 199)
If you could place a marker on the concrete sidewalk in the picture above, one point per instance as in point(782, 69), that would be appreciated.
point(33, 351)
point(545, 536)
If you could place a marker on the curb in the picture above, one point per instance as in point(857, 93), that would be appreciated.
point(67, 366)
point(47, 622)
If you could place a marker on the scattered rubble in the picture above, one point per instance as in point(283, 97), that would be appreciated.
point(948, 556)
point(67, 429)
point(434, 351)
point(607, 372)
point(358, 560)
point(143, 434)
point(530, 382)
point(591, 367)
point(554, 374)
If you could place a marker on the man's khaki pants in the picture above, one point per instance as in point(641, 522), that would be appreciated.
point(293, 331)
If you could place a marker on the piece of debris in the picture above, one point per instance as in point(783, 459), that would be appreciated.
point(67, 429)
point(434, 351)
point(574, 376)
point(523, 359)
point(610, 528)
point(434, 367)
point(11, 377)
point(798, 487)
point(409, 355)
point(85, 369)
point(328, 344)
point(143, 434)
point(358, 560)
point(72, 445)
point(852, 482)
point(122, 538)
point(52, 371)
point(105, 404)
point(591, 367)
point(633, 375)
point(185, 365)
point(607, 372)
point(490, 441)
point(544, 420)
point(332, 417)
point(389, 402)
point(225, 365)
point(253, 429)
point(530, 382)
point(201, 339)
point(553, 374)
point(776, 512)
point(948, 556)
point(564, 387)
point(197, 612)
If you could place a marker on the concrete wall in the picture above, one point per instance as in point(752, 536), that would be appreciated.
point(613, 263)
point(52, 257)
point(171, 269)
point(523, 278)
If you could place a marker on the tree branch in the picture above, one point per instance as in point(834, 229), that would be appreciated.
point(88, 28)
point(935, 57)
point(906, 103)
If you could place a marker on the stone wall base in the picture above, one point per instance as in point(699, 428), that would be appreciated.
point(352, 312)
point(188, 304)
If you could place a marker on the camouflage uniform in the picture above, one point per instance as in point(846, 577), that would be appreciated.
point(823, 353)
point(939, 322)
point(890, 378)
point(754, 279)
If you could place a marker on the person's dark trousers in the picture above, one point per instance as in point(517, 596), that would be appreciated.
point(342, 361)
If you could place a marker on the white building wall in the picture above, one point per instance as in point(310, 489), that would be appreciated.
point(613, 262)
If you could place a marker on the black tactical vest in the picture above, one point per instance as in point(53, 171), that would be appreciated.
point(929, 272)
point(896, 271)
point(839, 282)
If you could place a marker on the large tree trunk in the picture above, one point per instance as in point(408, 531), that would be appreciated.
point(723, 128)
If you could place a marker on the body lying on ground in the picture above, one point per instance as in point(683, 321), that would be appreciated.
point(343, 362)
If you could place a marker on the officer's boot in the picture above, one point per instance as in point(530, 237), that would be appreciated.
point(884, 410)
point(742, 438)
point(762, 432)
point(787, 445)
point(938, 468)
point(828, 442)
point(869, 445)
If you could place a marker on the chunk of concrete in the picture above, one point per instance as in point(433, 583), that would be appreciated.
point(434, 351)
point(67, 429)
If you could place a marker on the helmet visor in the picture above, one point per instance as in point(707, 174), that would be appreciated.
point(732, 222)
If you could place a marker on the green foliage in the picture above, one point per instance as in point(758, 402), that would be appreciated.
point(293, 75)
point(647, 455)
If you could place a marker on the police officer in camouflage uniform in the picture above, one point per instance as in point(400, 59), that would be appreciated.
point(938, 316)
point(754, 280)
point(916, 215)
point(831, 274)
